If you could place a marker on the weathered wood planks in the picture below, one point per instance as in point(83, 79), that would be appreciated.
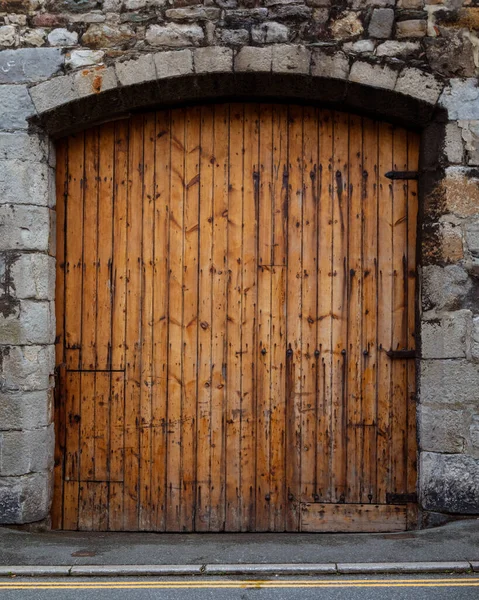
point(230, 280)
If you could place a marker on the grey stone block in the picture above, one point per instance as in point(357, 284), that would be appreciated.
point(291, 59)
point(173, 63)
point(445, 335)
point(29, 65)
point(252, 59)
point(234, 37)
point(33, 276)
point(270, 33)
point(25, 499)
point(83, 58)
point(50, 94)
point(193, 13)
point(452, 383)
point(461, 99)
point(27, 451)
point(24, 227)
point(380, 76)
point(32, 322)
point(95, 80)
point(475, 339)
point(136, 71)
point(23, 146)
point(472, 447)
point(62, 37)
point(418, 84)
point(335, 66)
point(16, 107)
point(25, 410)
point(444, 287)
point(24, 182)
point(175, 35)
point(26, 368)
point(453, 143)
point(471, 232)
point(213, 60)
point(394, 48)
point(381, 24)
point(442, 429)
point(449, 483)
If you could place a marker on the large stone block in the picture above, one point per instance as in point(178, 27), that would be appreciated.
point(418, 84)
point(26, 368)
point(33, 276)
point(30, 322)
point(252, 59)
point(453, 143)
point(334, 66)
point(175, 35)
point(461, 99)
point(291, 59)
point(62, 37)
point(102, 35)
point(29, 65)
point(270, 33)
point(26, 451)
point(23, 146)
point(83, 58)
point(24, 182)
point(445, 335)
point(471, 231)
point(24, 227)
point(444, 288)
point(25, 410)
point(16, 107)
point(381, 24)
point(449, 483)
point(173, 63)
point(136, 71)
point(25, 499)
point(442, 429)
point(451, 383)
point(50, 94)
point(380, 76)
point(88, 82)
point(193, 13)
point(213, 60)
point(415, 28)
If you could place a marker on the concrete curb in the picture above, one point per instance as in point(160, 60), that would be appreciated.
point(238, 569)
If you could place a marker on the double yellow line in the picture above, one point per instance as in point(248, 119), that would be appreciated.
point(224, 584)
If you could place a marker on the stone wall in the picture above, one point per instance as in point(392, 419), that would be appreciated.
point(60, 58)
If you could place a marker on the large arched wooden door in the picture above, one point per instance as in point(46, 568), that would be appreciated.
point(236, 317)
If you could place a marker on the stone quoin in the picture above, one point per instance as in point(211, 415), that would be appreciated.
point(68, 64)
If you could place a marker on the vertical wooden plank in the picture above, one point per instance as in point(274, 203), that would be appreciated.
point(339, 306)
point(248, 315)
point(324, 318)
point(60, 413)
point(74, 248)
point(310, 165)
point(294, 312)
point(147, 299)
point(72, 450)
point(160, 308)
point(384, 303)
point(263, 346)
point(205, 274)
point(105, 245)
point(234, 299)
point(413, 141)
point(369, 308)
point(87, 427)
point(120, 190)
point(278, 319)
point(101, 426)
point(355, 429)
point(133, 333)
point(190, 318)
point(116, 456)
point(278, 413)
point(86, 506)
point(398, 408)
point(90, 251)
point(218, 350)
point(175, 333)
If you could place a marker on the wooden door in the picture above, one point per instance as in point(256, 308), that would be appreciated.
point(236, 316)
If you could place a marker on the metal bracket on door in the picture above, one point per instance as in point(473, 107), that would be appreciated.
point(402, 175)
point(401, 354)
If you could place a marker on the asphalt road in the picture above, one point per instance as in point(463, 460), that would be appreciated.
point(424, 587)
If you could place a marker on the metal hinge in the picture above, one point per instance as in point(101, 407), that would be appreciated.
point(401, 498)
point(401, 354)
point(402, 175)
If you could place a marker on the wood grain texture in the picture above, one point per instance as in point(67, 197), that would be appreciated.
point(230, 279)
